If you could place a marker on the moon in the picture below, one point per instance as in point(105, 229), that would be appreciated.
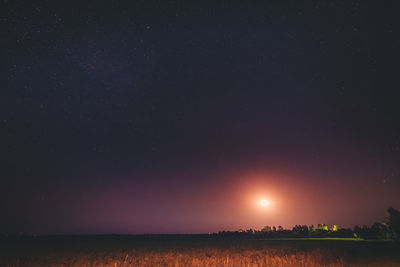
point(264, 203)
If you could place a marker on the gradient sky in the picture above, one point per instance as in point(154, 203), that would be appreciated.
point(179, 117)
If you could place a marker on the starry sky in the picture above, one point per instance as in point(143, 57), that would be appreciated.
point(178, 116)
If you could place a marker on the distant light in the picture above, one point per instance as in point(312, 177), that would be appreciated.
point(264, 202)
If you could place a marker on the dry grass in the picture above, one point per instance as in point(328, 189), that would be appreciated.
point(202, 253)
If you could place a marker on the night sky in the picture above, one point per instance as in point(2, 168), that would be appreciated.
point(180, 116)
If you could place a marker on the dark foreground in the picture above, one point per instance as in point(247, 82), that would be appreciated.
point(192, 251)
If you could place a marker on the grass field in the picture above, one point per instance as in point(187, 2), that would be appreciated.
point(193, 251)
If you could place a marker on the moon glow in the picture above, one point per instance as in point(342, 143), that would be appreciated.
point(264, 203)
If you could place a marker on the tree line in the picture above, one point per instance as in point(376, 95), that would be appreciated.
point(389, 229)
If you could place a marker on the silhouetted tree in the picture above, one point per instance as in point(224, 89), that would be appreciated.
point(250, 231)
point(266, 228)
point(300, 230)
point(394, 223)
point(379, 231)
point(357, 231)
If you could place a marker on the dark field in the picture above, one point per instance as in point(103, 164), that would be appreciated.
point(192, 251)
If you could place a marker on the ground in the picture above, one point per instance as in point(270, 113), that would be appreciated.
point(193, 251)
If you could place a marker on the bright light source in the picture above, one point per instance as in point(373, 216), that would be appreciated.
point(264, 203)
